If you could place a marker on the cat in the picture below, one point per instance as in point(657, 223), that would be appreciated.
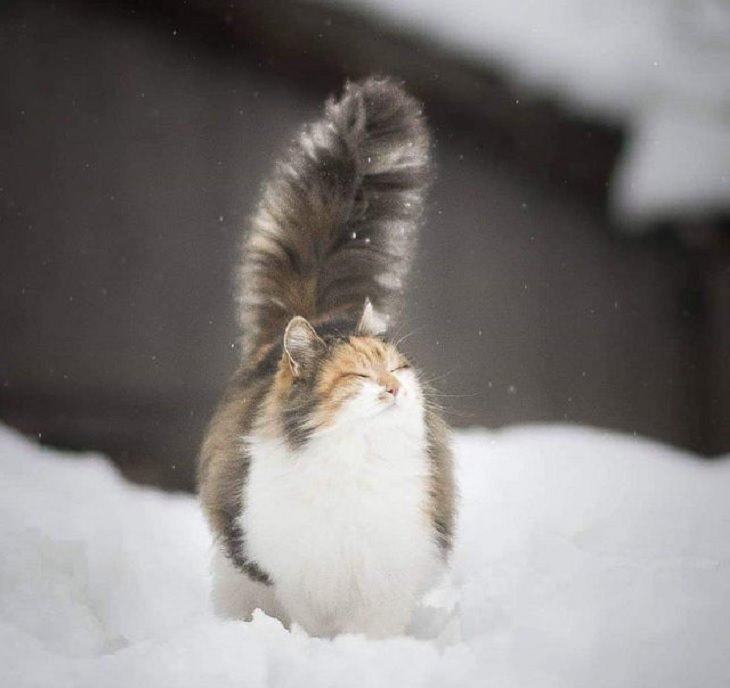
point(326, 473)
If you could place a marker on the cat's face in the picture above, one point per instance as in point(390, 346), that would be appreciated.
point(346, 383)
point(365, 377)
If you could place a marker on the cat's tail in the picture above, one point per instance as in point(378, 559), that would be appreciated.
point(338, 219)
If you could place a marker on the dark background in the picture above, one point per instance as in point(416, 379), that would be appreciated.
point(133, 140)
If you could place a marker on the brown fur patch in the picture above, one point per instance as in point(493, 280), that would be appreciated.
point(443, 494)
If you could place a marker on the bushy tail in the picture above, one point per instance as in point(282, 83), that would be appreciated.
point(337, 222)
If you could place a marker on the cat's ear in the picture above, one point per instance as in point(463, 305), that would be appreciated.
point(371, 323)
point(302, 345)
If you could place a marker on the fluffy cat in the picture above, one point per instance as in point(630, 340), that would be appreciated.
point(326, 474)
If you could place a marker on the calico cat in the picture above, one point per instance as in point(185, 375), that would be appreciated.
point(326, 474)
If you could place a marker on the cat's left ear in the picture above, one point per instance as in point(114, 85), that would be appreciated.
point(302, 345)
point(372, 323)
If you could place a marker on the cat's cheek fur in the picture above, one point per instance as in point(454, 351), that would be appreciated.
point(342, 526)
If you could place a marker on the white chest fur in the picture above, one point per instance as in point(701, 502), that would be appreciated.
point(342, 526)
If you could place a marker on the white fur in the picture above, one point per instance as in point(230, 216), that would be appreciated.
point(342, 526)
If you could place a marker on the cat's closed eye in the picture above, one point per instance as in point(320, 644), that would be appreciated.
point(365, 376)
point(405, 366)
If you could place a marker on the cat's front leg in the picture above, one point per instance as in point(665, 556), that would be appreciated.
point(236, 596)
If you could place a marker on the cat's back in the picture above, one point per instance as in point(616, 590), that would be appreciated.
point(223, 463)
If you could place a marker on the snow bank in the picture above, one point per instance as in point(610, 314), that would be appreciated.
point(584, 558)
point(643, 64)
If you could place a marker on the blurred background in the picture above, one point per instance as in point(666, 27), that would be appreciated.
point(575, 262)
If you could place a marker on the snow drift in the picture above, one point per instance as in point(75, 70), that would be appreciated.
point(584, 558)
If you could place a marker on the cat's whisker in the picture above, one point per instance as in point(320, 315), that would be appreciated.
point(407, 336)
point(466, 395)
point(427, 381)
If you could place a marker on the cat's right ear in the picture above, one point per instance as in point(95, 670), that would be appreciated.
point(302, 346)
point(371, 323)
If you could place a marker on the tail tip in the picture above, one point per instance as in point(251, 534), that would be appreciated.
point(385, 127)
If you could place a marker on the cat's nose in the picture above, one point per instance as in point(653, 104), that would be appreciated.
point(392, 386)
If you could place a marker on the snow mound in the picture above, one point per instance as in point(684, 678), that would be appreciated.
point(584, 558)
point(659, 67)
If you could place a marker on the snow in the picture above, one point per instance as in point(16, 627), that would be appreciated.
point(583, 558)
point(638, 64)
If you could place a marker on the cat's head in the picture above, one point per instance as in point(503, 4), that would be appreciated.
point(330, 381)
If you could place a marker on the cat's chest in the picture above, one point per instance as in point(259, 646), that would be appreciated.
point(351, 468)
point(344, 494)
